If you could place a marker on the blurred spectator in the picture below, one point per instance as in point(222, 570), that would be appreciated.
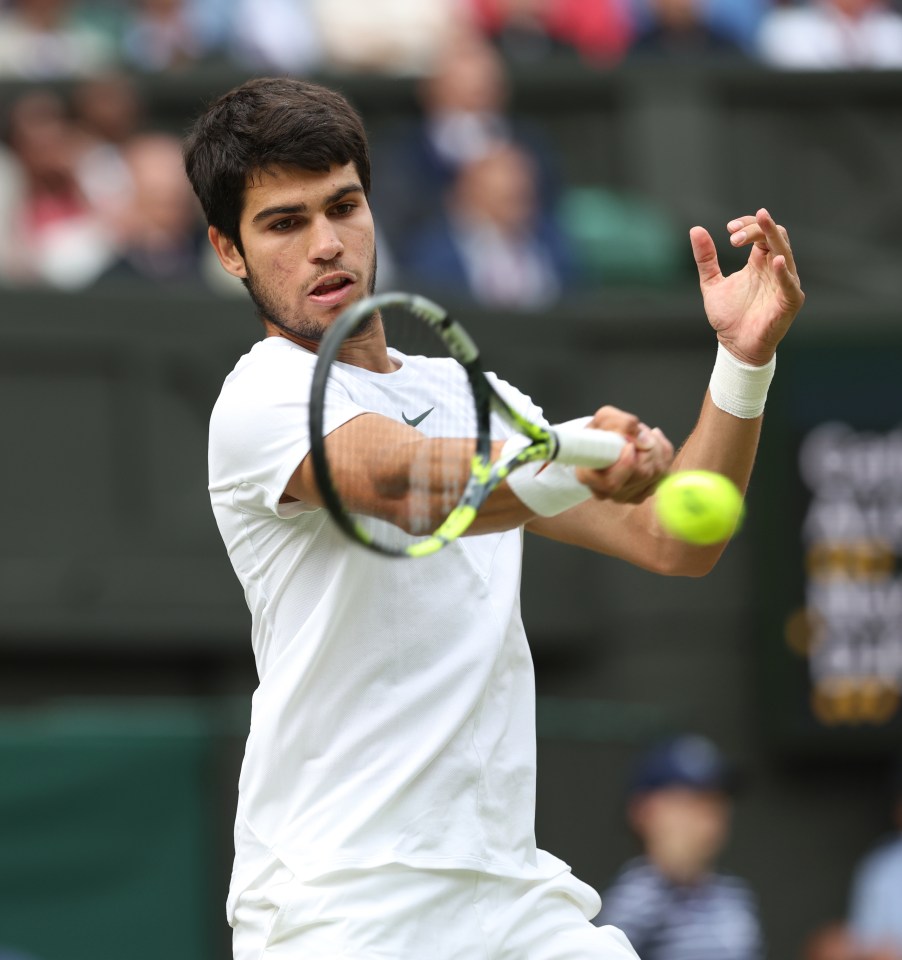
point(45, 39)
point(679, 30)
point(169, 34)
point(390, 36)
point(492, 242)
point(162, 239)
point(51, 235)
point(833, 35)
point(275, 35)
point(107, 112)
point(463, 115)
point(834, 941)
point(875, 910)
point(107, 107)
point(527, 30)
point(739, 19)
point(670, 901)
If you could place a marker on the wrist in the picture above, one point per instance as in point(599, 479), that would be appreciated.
point(739, 388)
point(549, 491)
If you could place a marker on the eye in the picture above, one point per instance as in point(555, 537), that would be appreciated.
point(344, 209)
point(280, 226)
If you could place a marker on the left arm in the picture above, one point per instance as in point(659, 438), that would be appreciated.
point(750, 311)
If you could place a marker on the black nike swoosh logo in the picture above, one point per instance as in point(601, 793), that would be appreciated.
point(416, 420)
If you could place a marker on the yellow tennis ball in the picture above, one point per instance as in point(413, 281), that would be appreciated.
point(699, 506)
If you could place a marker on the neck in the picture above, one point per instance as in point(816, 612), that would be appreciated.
point(367, 350)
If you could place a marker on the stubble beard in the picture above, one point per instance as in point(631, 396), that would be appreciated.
point(302, 326)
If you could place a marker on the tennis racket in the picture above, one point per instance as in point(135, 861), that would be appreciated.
point(449, 408)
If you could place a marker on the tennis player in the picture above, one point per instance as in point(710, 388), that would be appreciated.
point(386, 799)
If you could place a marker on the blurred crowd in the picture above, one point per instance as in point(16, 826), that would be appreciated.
point(88, 192)
point(469, 200)
point(40, 39)
point(674, 900)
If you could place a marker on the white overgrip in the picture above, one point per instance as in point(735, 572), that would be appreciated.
point(582, 446)
point(554, 489)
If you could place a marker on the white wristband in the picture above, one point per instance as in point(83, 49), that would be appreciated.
point(739, 388)
point(550, 491)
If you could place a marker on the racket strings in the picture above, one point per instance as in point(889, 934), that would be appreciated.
point(433, 398)
point(440, 469)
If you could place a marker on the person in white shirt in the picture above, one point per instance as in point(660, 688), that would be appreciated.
point(386, 800)
point(832, 35)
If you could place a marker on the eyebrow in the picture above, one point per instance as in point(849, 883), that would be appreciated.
point(295, 208)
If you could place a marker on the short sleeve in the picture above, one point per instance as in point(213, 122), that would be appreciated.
point(259, 430)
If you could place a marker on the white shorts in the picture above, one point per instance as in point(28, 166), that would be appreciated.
point(401, 913)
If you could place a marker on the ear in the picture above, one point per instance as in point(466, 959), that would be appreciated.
point(232, 261)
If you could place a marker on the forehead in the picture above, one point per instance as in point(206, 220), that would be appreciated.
point(686, 796)
point(291, 186)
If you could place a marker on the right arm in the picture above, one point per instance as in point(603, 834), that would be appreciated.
point(398, 465)
point(385, 469)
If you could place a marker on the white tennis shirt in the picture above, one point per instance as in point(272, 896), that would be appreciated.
point(394, 721)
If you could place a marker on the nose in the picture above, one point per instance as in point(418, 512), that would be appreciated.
point(325, 244)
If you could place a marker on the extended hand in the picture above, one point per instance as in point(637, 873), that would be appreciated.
point(752, 309)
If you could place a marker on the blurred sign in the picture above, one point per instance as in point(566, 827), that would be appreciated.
point(850, 628)
point(826, 515)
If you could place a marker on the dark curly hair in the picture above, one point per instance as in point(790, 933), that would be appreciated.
point(265, 123)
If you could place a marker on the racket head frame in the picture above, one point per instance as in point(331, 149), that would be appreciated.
point(460, 346)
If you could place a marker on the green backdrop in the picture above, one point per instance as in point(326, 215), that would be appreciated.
point(105, 832)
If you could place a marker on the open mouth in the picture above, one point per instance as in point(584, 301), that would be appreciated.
point(333, 285)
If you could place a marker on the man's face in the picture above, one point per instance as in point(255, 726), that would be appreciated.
point(309, 247)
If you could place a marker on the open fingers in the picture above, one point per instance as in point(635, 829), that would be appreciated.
point(789, 281)
point(765, 233)
point(776, 237)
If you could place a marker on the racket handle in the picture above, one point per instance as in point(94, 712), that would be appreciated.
point(583, 446)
